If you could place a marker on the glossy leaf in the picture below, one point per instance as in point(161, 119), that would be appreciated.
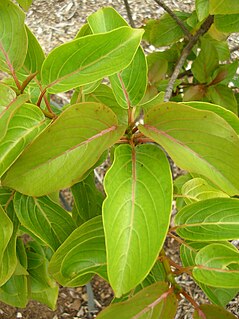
point(153, 302)
point(212, 312)
point(27, 122)
point(208, 220)
point(13, 37)
point(8, 112)
point(65, 151)
point(82, 61)
point(202, 9)
point(42, 287)
point(227, 23)
point(227, 115)
point(204, 65)
point(81, 255)
point(198, 189)
point(164, 31)
point(87, 200)
point(217, 266)
point(6, 96)
point(136, 213)
point(224, 96)
point(44, 218)
point(218, 295)
point(198, 141)
point(223, 7)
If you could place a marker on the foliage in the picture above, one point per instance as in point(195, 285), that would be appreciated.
point(180, 101)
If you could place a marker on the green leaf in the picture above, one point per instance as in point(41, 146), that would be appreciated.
point(228, 116)
point(6, 96)
point(198, 141)
point(129, 86)
point(42, 287)
point(6, 230)
point(159, 98)
point(5, 194)
point(223, 6)
point(81, 255)
point(104, 95)
point(106, 19)
point(8, 112)
point(218, 295)
point(84, 30)
point(44, 218)
point(87, 200)
point(205, 64)
point(25, 4)
point(153, 302)
point(212, 312)
point(26, 123)
point(227, 23)
point(202, 9)
point(217, 266)
point(164, 31)
point(34, 58)
point(89, 59)
point(208, 220)
point(136, 213)
point(13, 37)
point(198, 189)
point(224, 96)
point(65, 151)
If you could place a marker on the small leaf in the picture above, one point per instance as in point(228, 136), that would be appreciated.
point(205, 64)
point(44, 218)
point(202, 9)
point(164, 31)
point(13, 37)
point(87, 200)
point(89, 59)
point(5, 194)
point(212, 312)
point(138, 206)
point(224, 96)
point(81, 255)
point(153, 102)
point(198, 189)
point(223, 6)
point(153, 302)
point(209, 220)
point(84, 30)
point(217, 266)
point(63, 159)
point(198, 141)
point(25, 124)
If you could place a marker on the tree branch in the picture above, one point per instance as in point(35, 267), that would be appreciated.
point(186, 51)
point(129, 14)
point(174, 16)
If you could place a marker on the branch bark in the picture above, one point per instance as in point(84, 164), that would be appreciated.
point(129, 14)
point(186, 51)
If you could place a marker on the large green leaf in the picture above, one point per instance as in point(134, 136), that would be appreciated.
point(7, 94)
point(43, 288)
point(164, 31)
point(218, 295)
point(197, 189)
point(8, 112)
point(217, 266)
point(202, 9)
point(153, 302)
point(81, 255)
point(13, 37)
point(208, 220)
point(27, 122)
point(6, 230)
point(136, 213)
point(65, 151)
point(212, 312)
point(224, 96)
point(204, 65)
point(223, 6)
point(44, 218)
point(89, 58)
point(198, 141)
point(87, 200)
point(228, 116)
point(227, 23)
